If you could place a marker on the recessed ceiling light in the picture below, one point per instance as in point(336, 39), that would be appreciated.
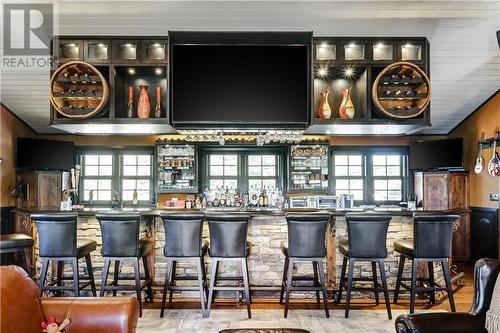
point(158, 71)
point(131, 71)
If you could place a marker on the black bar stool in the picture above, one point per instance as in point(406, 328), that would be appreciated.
point(14, 243)
point(432, 234)
point(306, 242)
point(184, 242)
point(120, 242)
point(58, 242)
point(366, 241)
point(228, 242)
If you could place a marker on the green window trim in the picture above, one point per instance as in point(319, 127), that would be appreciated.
point(117, 172)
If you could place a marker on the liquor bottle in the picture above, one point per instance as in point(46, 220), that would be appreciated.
point(266, 199)
point(91, 197)
point(261, 199)
point(134, 197)
point(245, 198)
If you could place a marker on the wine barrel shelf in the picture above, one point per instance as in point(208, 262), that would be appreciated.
point(401, 91)
point(78, 90)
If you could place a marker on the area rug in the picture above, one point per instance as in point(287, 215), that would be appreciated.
point(265, 330)
point(314, 321)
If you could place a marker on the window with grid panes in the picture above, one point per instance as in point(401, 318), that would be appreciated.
point(387, 173)
point(97, 174)
point(223, 171)
point(136, 175)
point(349, 175)
point(262, 171)
point(123, 170)
point(373, 175)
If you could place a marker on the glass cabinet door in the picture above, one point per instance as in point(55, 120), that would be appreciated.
point(125, 51)
point(383, 51)
point(411, 51)
point(97, 51)
point(154, 51)
point(68, 50)
point(176, 169)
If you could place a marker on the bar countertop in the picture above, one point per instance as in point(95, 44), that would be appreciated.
point(253, 212)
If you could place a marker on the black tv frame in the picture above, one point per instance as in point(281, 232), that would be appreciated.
point(451, 169)
point(241, 38)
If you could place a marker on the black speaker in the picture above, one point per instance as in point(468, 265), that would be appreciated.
point(498, 37)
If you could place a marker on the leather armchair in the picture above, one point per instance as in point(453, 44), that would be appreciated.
point(23, 309)
point(485, 275)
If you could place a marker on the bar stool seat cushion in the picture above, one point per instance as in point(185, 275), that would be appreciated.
point(344, 246)
point(404, 247)
point(12, 241)
point(84, 247)
point(204, 249)
point(145, 246)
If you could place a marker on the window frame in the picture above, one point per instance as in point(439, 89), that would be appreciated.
point(243, 152)
point(116, 176)
point(368, 178)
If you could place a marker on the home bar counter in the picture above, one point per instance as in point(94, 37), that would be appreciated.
point(267, 230)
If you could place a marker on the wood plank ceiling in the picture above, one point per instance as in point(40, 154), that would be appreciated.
point(465, 57)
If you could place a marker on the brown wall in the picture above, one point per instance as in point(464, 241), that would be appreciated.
point(11, 129)
point(486, 120)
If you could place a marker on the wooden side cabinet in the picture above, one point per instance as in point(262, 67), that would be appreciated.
point(44, 189)
point(448, 191)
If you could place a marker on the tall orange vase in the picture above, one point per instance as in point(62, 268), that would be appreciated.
point(143, 106)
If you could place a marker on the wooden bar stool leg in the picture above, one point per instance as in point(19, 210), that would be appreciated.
point(316, 281)
point(90, 271)
point(105, 271)
point(43, 275)
point(201, 285)
point(148, 280)
point(413, 285)
point(27, 260)
point(283, 280)
point(321, 273)
point(375, 282)
point(172, 280)
point(446, 271)
point(399, 277)
point(166, 286)
point(246, 284)
point(288, 285)
point(213, 277)
point(349, 286)
point(137, 277)
point(432, 294)
point(384, 285)
point(342, 280)
point(60, 274)
point(116, 272)
point(76, 280)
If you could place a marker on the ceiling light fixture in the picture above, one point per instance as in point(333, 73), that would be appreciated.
point(131, 71)
point(158, 71)
point(322, 71)
point(349, 71)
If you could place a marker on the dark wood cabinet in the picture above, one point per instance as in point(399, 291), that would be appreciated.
point(484, 233)
point(448, 191)
point(67, 49)
point(44, 189)
point(23, 224)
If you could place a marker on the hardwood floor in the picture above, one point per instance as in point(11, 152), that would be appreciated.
point(462, 296)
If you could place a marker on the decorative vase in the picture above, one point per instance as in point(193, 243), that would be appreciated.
point(143, 106)
point(129, 110)
point(346, 109)
point(158, 106)
point(324, 110)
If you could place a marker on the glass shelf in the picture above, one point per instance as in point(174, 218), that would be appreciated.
point(309, 168)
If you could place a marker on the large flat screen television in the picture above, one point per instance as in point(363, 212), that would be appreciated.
point(36, 154)
point(251, 80)
point(437, 154)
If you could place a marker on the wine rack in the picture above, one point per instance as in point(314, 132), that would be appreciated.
point(309, 168)
point(78, 90)
point(176, 169)
point(401, 90)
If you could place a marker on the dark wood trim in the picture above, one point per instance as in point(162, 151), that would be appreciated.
point(474, 112)
point(17, 117)
point(6, 220)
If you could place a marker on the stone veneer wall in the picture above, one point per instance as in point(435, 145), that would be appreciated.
point(266, 260)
